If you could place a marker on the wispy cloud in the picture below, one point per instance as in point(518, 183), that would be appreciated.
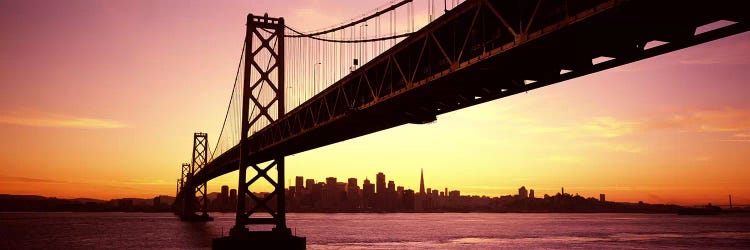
point(146, 182)
point(703, 61)
point(703, 120)
point(608, 145)
point(39, 119)
point(565, 159)
point(6, 178)
point(726, 120)
point(610, 127)
point(74, 184)
point(600, 127)
point(735, 140)
point(731, 52)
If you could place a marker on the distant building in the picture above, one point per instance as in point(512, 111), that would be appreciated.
point(330, 193)
point(298, 184)
point(224, 192)
point(352, 189)
point(380, 183)
point(602, 198)
point(390, 196)
point(380, 190)
point(531, 193)
point(421, 181)
point(522, 193)
point(408, 200)
point(232, 204)
point(316, 193)
point(454, 195)
point(309, 183)
point(331, 181)
point(368, 194)
point(433, 198)
point(222, 201)
point(352, 194)
point(340, 191)
point(454, 198)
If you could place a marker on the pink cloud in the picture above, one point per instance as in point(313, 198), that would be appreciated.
point(37, 119)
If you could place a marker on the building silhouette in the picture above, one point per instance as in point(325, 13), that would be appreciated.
point(380, 183)
point(522, 193)
point(298, 185)
point(368, 194)
point(421, 181)
point(380, 199)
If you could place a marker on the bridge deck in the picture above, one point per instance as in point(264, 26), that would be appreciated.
point(482, 51)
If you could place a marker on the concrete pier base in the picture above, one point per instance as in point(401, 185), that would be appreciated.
point(260, 240)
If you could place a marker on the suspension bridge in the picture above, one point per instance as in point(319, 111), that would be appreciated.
point(299, 90)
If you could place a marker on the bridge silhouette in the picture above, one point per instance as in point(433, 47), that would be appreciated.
point(296, 91)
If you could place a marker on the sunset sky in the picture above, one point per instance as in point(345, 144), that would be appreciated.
point(100, 99)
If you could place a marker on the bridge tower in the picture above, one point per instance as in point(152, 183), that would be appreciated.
point(183, 176)
point(200, 158)
point(179, 205)
point(264, 68)
point(196, 197)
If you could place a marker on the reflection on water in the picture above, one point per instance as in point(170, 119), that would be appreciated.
point(385, 231)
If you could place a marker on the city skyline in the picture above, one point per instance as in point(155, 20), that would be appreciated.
point(670, 129)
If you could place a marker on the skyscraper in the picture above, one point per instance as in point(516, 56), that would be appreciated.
point(352, 183)
point(522, 193)
point(223, 201)
point(390, 196)
point(225, 192)
point(309, 183)
point(232, 199)
point(380, 183)
point(331, 182)
point(298, 184)
point(368, 193)
point(421, 181)
point(352, 194)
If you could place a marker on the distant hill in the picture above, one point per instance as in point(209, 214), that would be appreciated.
point(10, 202)
point(22, 197)
point(85, 200)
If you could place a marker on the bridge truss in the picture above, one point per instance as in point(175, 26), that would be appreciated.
point(479, 51)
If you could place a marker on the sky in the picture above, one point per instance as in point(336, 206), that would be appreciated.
point(100, 99)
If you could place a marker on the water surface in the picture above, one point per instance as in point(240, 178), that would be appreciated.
point(386, 231)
